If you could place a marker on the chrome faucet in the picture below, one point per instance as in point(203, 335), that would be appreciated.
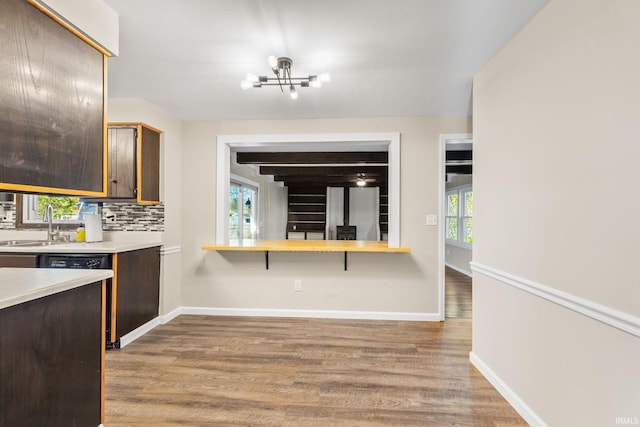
point(48, 216)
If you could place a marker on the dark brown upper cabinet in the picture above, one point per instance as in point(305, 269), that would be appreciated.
point(133, 162)
point(52, 105)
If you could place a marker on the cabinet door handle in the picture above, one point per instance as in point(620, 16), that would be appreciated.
point(114, 181)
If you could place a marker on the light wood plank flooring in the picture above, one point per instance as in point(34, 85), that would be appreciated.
point(242, 371)
point(457, 295)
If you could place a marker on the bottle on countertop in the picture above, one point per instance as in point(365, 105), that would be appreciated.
point(80, 234)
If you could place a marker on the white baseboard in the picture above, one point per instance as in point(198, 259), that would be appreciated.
point(458, 269)
point(166, 318)
point(510, 396)
point(316, 314)
point(141, 330)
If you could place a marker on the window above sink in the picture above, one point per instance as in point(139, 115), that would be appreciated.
point(68, 212)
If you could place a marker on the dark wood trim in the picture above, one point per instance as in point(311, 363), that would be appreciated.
point(460, 169)
point(326, 171)
point(309, 158)
point(459, 155)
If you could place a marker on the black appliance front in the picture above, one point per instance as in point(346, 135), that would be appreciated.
point(84, 261)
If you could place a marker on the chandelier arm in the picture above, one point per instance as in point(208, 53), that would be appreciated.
point(279, 82)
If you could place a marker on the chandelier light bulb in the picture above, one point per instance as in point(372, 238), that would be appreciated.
point(325, 77)
point(273, 62)
point(251, 78)
point(245, 84)
point(314, 81)
point(293, 92)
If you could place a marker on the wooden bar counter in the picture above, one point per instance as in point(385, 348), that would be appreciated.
point(345, 246)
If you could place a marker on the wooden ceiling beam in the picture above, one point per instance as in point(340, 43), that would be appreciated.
point(324, 171)
point(460, 169)
point(311, 158)
point(460, 155)
point(323, 180)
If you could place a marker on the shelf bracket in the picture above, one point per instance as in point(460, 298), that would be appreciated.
point(345, 260)
point(266, 259)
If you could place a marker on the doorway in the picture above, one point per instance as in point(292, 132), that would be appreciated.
point(456, 239)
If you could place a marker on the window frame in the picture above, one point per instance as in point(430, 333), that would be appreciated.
point(461, 217)
point(242, 182)
point(24, 204)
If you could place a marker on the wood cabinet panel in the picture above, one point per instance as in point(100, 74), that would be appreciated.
point(52, 97)
point(122, 162)
point(149, 165)
point(138, 289)
point(19, 260)
point(51, 360)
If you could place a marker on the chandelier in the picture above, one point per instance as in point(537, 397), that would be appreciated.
point(281, 68)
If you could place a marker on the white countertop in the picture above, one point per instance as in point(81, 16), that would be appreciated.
point(18, 285)
point(109, 247)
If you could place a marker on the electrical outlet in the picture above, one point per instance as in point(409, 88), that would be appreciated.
point(297, 285)
point(108, 216)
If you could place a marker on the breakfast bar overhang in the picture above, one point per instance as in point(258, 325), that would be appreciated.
point(345, 246)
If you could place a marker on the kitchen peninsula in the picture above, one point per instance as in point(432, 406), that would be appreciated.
point(52, 346)
point(132, 293)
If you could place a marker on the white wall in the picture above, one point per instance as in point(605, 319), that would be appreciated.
point(139, 110)
point(375, 283)
point(458, 258)
point(93, 18)
point(556, 313)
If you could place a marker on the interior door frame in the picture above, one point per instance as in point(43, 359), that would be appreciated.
point(444, 139)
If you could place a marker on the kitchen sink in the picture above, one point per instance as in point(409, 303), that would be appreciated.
point(24, 243)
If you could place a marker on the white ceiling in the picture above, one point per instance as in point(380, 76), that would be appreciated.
point(386, 58)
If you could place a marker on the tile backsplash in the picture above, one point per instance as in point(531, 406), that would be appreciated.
point(132, 217)
point(7, 216)
point(115, 217)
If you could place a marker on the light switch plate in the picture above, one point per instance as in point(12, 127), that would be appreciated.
point(432, 219)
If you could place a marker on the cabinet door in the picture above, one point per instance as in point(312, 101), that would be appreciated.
point(137, 292)
point(149, 166)
point(122, 162)
point(51, 105)
point(19, 260)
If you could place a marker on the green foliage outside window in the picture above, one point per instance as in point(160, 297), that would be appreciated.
point(63, 207)
point(459, 221)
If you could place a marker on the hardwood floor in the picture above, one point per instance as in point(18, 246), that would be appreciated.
point(457, 298)
point(243, 371)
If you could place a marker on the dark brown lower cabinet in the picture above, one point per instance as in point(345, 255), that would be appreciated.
point(19, 260)
point(135, 290)
point(51, 360)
